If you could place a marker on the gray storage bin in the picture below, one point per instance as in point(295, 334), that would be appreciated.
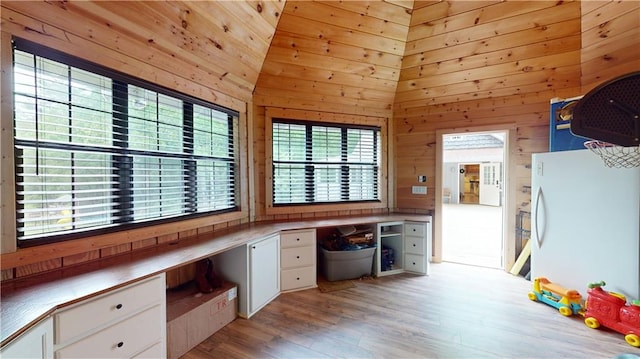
point(342, 265)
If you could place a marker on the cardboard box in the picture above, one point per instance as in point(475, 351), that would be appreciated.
point(193, 317)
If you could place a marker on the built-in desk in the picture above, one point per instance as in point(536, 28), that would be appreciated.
point(26, 301)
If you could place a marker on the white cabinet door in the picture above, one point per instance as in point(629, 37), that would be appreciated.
point(255, 268)
point(35, 343)
point(264, 264)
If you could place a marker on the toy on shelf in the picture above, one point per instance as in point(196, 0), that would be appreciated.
point(567, 301)
point(611, 310)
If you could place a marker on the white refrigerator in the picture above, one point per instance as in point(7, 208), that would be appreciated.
point(585, 222)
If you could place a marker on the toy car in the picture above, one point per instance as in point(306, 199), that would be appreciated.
point(610, 309)
point(567, 301)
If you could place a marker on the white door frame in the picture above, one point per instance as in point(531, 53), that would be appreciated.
point(509, 208)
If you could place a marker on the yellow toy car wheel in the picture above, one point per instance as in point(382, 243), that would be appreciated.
point(633, 340)
point(532, 296)
point(592, 322)
point(566, 311)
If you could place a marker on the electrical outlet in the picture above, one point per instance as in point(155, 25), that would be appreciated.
point(419, 190)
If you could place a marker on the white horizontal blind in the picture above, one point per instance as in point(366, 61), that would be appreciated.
point(94, 152)
point(317, 163)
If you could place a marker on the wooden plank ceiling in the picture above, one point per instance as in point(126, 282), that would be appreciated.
point(377, 58)
point(342, 57)
point(396, 58)
point(210, 49)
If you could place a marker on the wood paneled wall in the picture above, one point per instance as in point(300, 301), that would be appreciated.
point(472, 64)
point(210, 50)
point(337, 60)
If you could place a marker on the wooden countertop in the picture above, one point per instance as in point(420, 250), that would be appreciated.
point(26, 301)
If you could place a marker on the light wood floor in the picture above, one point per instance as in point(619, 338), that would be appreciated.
point(457, 312)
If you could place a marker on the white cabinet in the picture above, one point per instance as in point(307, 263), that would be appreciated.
point(255, 268)
point(35, 343)
point(127, 322)
point(416, 247)
point(390, 253)
point(298, 259)
point(265, 269)
point(403, 247)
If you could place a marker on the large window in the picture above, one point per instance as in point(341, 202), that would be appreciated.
point(99, 151)
point(316, 163)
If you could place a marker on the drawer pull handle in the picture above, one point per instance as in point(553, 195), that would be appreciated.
point(298, 278)
point(120, 344)
point(414, 244)
point(119, 306)
point(298, 257)
point(297, 239)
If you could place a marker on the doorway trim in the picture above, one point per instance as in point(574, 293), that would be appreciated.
point(509, 210)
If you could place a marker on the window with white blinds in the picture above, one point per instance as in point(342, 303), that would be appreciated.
point(99, 151)
point(315, 163)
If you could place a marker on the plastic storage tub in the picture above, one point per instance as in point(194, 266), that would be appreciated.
point(350, 264)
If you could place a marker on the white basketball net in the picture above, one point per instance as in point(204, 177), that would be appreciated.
point(615, 156)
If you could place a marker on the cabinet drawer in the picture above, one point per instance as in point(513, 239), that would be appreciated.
point(415, 263)
point(305, 237)
point(414, 229)
point(121, 340)
point(96, 312)
point(297, 257)
point(414, 245)
point(156, 351)
point(298, 278)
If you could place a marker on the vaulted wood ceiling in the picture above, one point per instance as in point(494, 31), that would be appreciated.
point(336, 56)
point(367, 56)
point(361, 57)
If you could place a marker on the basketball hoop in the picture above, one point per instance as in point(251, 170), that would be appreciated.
point(614, 155)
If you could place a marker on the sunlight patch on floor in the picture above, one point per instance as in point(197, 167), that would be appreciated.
point(472, 234)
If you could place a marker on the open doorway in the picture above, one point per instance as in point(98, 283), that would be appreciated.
point(473, 197)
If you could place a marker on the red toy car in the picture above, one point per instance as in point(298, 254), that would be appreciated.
point(611, 310)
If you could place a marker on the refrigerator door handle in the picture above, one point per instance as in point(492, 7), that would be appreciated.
point(535, 217)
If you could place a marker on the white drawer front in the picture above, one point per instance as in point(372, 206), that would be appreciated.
point(414, 245)
point(305, 237)
point(298, 278)
point(122, 303)
point(122, 340)
point(297, 257)
point(414, 263)
point(414, 229)
point(155, 352)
